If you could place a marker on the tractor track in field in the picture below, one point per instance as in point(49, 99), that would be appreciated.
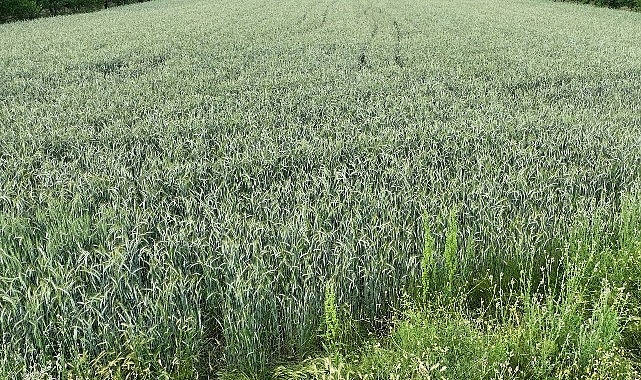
point(378, 19)
point(397, 45)
point(372, 19)
point(309, 21)
point(301, 19)
point(326, 12)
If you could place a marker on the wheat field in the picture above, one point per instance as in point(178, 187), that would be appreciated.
point(180, 180)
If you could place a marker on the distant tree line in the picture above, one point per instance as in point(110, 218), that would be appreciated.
point(631, 4)
point(27, 9)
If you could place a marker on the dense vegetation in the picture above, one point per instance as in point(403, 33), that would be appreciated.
point(28, 9)
point(192, 187)
point(629, 4)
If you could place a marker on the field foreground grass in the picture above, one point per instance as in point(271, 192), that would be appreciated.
point(191, 189)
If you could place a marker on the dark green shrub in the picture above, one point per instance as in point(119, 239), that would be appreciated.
point(19, 9)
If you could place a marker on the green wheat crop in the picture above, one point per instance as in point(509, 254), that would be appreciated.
point(180, 179)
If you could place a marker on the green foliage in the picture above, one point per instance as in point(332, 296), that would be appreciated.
point(428, 261)
point(332, 324)
point(28, 9)
point(179, 178)
point(434, 276)
point(630, 4)
point(577, 333)
point(18, 9)
point(451, 253)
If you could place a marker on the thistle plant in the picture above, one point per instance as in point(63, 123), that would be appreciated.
point(427, 261)
point(332, 325)
point(451, 252)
